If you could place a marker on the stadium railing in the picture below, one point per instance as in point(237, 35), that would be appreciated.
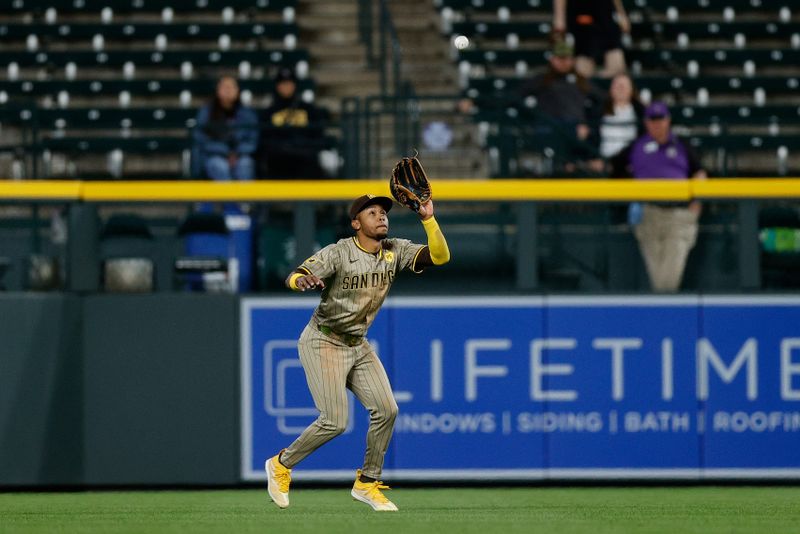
point(83, 198)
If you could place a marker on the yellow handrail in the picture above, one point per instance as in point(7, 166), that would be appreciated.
point(454, 190)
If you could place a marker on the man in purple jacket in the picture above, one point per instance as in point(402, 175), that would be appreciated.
point(667, 230)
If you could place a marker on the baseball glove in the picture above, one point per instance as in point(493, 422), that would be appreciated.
point(409, 184)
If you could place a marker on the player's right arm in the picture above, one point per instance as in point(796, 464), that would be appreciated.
point(312, 272)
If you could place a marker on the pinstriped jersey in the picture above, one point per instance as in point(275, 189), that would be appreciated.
point(357, 281)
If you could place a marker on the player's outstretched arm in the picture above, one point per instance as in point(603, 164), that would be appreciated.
point(300, 281)
point(437, 244)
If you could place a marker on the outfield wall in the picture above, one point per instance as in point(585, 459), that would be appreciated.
point(680, 387)
point(118, 390)
point(176, 389)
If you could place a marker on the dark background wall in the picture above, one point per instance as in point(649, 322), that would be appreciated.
point(118, 389)
point(41, 386)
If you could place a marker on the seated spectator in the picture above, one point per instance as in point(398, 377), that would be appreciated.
point(568, 98)
point(226, 135)
point(598, 37)
point(621, 122)
point(292, 134)
point(667, 230)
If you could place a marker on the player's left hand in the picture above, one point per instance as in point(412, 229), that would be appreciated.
point(426, 210)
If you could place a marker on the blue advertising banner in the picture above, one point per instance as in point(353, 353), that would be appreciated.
point(547, 387)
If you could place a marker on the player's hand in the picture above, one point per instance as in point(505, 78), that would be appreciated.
point(309, 281)
point(426, 210)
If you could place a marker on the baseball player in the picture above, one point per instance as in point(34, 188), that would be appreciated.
point(355, 275)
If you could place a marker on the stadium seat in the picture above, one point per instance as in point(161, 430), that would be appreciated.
point(207, 249)
point(125, 32)
point(127, 254)
point(169, 58)
point(121, 80)
point(143, 6)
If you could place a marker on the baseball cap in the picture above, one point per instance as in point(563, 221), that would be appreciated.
point(657, 110)
point(285, 74)
point(368, 200)
point(562, 49)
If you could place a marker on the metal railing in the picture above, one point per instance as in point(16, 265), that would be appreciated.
point(379, 128)
point(384, 53)
point(534, 231)
point(376, 127)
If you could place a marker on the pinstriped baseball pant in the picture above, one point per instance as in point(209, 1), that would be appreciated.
point(331, 367)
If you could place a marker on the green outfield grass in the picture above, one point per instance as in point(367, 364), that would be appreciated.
point(562, 510)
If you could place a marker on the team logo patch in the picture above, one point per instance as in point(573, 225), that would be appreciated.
point(389, 256)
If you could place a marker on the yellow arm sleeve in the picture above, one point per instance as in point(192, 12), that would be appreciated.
point(437, 244)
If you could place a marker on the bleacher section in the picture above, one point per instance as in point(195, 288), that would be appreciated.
point(729, 68)
point(96, 81)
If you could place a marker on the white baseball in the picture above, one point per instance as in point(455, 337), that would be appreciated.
point(461, 42)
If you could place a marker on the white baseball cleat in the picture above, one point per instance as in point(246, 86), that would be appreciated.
point(278, 480)
point(371, 494)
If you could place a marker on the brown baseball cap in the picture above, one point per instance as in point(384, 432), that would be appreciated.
point(368, 200)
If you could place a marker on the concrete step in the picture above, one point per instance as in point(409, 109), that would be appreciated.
point(328, 75)
point(328, 8)
point(317, 22)
point(332, 40)
point(347, 49)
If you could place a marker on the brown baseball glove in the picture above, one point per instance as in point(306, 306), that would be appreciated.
point(409, 184)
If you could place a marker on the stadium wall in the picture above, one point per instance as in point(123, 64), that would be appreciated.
point(679, 387)
point(103, 390)
point(118, 390)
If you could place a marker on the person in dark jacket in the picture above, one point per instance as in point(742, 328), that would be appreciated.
point(569, 102)
point(226, 135)
point(597, 33)
point(292, 134)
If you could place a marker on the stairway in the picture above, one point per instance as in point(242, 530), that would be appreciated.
point(329, 31)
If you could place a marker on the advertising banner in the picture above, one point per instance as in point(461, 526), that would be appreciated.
point(547, 387)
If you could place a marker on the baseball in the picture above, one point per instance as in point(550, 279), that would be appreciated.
point(461, 42)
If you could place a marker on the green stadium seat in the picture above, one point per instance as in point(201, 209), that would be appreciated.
point(500, 30)
point(199, 88)
point(494, 5)
point(710, 6)
point(104, 144)
point(139, 31)
point(116, 117)
point(715, 30)
point(167, 58)
point(719, 57)
point(143, 6)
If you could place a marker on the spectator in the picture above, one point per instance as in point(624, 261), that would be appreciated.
point(292, 133)
point(568, 98)
point(621, 122)
point(226, 135)
point(667, 231)
point(598, 37)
